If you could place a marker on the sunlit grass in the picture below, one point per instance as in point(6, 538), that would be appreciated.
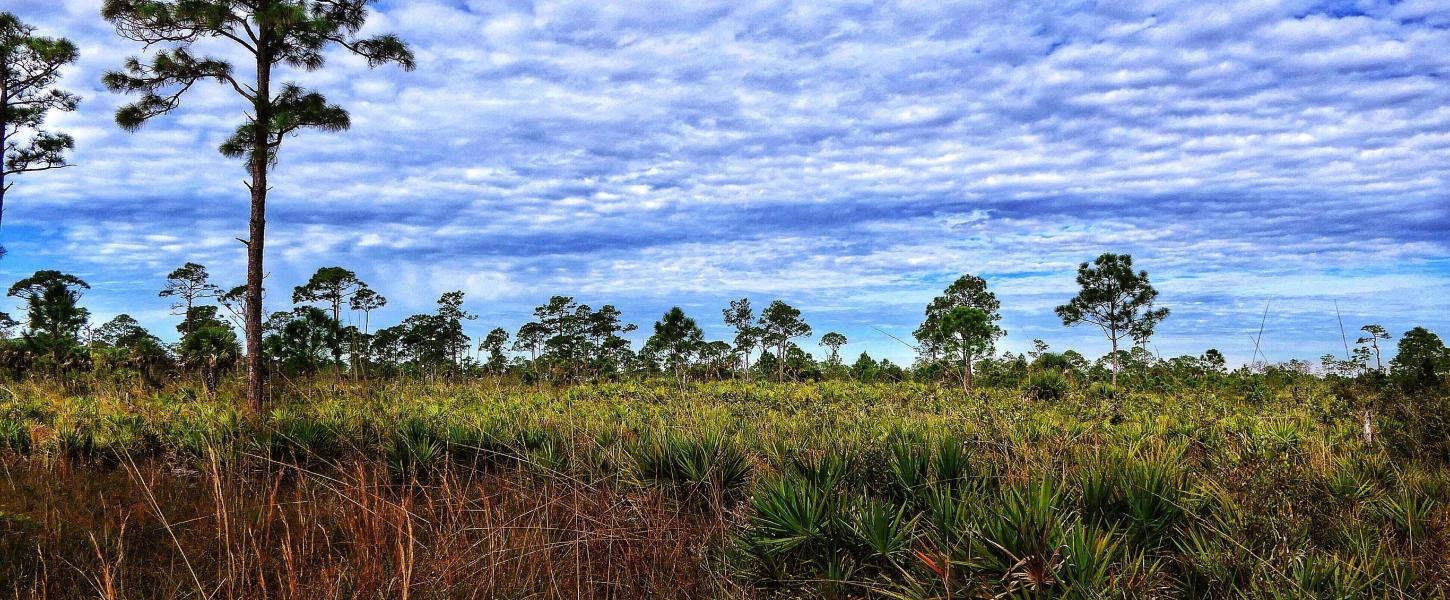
point(824, 489)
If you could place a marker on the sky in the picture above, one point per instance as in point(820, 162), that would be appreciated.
point(1282, 164)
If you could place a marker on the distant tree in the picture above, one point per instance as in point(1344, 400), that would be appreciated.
point(607, 349)
point(580, 340)
point(677, 337)
point(7, 325)
point(834, 341)
point(966, 334)
point(212, 348)
point(561, 323)
point(208, 345)
point(1117, 300)
point(365, 300)
point(234, 301)
point(801, 365)
point(330, 285)
point(29, 68)
point(889, 371)
point(55, 318)
point(530, 338)
point(302, 340)
point(968, 291)
point(40, 281)
point(450, 332)
point(1213, 361)
point(1039, 348)
point(122, 347)
point(493, 343)
point(386, 348)
point(272, 34)
point(1372, 336)
point(199, 317)
point(779, 324)
point(1422, 360)
point(741, 316)
point(188, 284)
point(433, 344)
point(123, 331)
point(864, 369)
point(716, 358)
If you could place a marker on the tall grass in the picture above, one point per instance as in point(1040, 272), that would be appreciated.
point(728, 489)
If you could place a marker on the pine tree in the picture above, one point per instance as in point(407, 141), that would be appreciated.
point(29, 67)
point(274, 34)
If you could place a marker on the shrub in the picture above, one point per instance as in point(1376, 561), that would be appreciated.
point(712, 465)
point(15, 435)
point(1102, 391)
point(1047, 385)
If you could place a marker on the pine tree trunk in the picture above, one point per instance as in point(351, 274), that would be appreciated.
point(367, 346)
point(780, 364)
point(4, 131)
point(2, 182)
point(1368, 426)
point(969, 373)
point(257, 229)
point(261, 152)
point(1115, 360)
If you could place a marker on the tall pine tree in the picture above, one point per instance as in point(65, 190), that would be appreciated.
point(275, 34)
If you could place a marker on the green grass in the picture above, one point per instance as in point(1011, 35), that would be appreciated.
point(841, 489)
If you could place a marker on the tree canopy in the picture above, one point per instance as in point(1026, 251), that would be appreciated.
point(677, 337)
point(779, 324)
point(1115, 298)
point(30, 66)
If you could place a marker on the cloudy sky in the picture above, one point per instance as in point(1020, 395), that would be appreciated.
point(852, 158)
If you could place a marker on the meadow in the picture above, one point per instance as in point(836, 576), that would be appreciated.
point(1252, 484)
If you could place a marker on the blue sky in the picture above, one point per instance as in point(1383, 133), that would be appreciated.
point(851, 158)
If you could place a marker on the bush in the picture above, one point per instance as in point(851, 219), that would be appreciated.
point(1102, 391)
point(1048, 385)
point(711, 465)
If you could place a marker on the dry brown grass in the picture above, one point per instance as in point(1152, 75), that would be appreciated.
point(147, 529)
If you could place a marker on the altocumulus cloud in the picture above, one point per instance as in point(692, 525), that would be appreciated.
point(851, 158)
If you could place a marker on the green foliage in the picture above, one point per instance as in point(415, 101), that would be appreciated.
point(429, 344)
point(968, 291)
point(779, 324)
point(677, 338)
point(332, 286)
point(54, 318)
point(833, 341)
point(1421, 362)
point(575, 342)
point(1116, 299)
point(1102, 391)
point(15, 435)
point(31, 68)
point(899, 490)
point(965, 333)
point(303, 340)
point(711, 467)
point(1048, 385)
point(414, 451)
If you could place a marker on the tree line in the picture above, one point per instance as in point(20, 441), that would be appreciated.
point(566, 341)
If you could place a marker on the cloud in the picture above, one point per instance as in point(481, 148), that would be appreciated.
point(852, 158)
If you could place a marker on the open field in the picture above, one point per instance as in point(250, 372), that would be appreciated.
point(699, 300)
point(1247, 485)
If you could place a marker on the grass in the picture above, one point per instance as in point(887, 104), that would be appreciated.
point(745, 490)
